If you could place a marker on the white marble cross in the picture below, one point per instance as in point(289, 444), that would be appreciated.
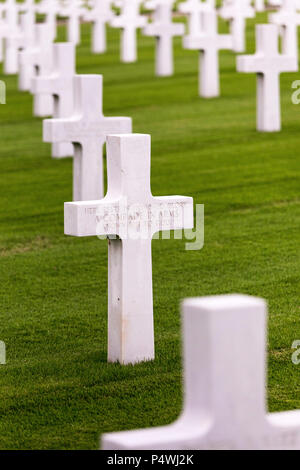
point(224, 385)
point(209, 43)
point(101, 14)
point(40, 58)
point(289, 19)
point(267, 63)
point(259, 5)
point(2, 34)
point(237, 11)
point(11, 37)
point(150, 4)
point(194, 10)
point(86, 129)
point(26, 40)
point(164, 29)
point(129, 21)
point(129, 216)
point(3, 29)
point(50, 9)
point(60, 85)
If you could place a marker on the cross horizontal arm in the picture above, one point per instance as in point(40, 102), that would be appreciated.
point(114, 217)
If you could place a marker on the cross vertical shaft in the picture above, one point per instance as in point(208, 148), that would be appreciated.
point(130, 302)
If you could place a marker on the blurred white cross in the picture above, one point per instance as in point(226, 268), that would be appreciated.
point(164, 30)
point(224, 385)
point(289, 19)
point(60, 84)
point(129, 21)
point(237, 11)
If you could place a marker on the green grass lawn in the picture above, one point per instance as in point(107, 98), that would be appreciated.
point(57, 390)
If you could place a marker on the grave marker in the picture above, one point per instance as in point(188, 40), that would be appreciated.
point(40, 58)
point(164, 29)
point(237, 11)
point(60, 85)
point(209, 43)
point(194, 10)
point(268, 64)
point(224, 385)
point(26, 40)
point(100, 15)
point(288, 19)
point(86, 129)
point(130, 212)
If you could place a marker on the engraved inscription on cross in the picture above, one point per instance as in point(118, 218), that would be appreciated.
point(224, 385)
point(86, 129)
point(130, 212)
